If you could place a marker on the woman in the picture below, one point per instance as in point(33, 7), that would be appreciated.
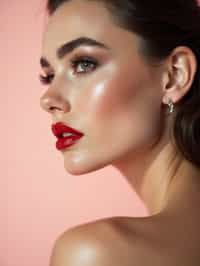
point(125, 75)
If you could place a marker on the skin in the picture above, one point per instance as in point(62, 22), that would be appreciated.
point(120, 106)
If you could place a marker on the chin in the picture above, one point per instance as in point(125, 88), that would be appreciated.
point(81, 169)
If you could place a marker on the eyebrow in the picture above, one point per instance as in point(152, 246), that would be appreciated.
point(68, 47)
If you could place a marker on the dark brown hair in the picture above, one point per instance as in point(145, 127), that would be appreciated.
point(163, 26)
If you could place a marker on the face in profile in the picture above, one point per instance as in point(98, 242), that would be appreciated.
point(106, 91)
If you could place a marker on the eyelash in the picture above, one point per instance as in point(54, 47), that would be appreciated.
point(45, 80)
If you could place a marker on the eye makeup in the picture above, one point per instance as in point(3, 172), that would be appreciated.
point(78, 60)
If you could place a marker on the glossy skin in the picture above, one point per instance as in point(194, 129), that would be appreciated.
point(110, 105)
point(128, 242)
point(120, 107)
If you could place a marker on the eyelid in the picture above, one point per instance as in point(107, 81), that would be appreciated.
point(83, 57)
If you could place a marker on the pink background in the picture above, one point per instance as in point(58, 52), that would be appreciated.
point(38, 198)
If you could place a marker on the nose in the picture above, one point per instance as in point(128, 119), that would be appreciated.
point(51, 102)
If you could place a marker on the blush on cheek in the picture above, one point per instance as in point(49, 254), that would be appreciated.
point(97, 99)
point(118, 96)
point(109, 92)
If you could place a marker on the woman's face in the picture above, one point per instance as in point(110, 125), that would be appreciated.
point(115, 100)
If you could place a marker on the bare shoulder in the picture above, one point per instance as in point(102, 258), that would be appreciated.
point(112, 241)
point(95, 243)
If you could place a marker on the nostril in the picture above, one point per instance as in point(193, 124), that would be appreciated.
point(51, 108)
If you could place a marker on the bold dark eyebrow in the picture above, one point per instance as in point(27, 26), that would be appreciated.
point(68, 47)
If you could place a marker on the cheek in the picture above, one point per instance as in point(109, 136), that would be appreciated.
point(122, 106)
point(127, 112)
point(108, 94)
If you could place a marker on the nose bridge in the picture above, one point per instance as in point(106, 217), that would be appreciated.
point(53, 99)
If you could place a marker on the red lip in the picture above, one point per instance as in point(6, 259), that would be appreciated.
point(60, 128)
point(65, 142)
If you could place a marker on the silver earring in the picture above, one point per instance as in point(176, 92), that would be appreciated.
point(170, 106)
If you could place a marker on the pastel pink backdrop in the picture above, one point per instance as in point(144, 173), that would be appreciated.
point(38, 199)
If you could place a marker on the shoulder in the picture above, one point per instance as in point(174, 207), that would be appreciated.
point(91, 244)
point(105, 242)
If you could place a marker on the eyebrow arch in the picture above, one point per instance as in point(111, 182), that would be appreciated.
point(68, 47)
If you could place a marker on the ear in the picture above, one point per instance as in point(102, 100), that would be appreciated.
point(182, 66)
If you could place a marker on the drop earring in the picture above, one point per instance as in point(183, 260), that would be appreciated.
point(170, 106)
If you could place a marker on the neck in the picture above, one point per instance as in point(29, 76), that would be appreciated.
point(183, 196)
point(162, 178)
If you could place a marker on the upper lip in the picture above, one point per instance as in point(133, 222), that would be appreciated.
point(59, 128)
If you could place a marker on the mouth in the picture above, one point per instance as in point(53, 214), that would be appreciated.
point(67, 136)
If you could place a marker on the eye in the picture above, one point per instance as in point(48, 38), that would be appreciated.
point(45, 80)
point(84, 63)
point(80, 62)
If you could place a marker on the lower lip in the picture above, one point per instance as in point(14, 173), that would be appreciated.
point(63, 143)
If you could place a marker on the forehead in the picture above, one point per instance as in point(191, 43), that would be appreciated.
point(84, 18)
